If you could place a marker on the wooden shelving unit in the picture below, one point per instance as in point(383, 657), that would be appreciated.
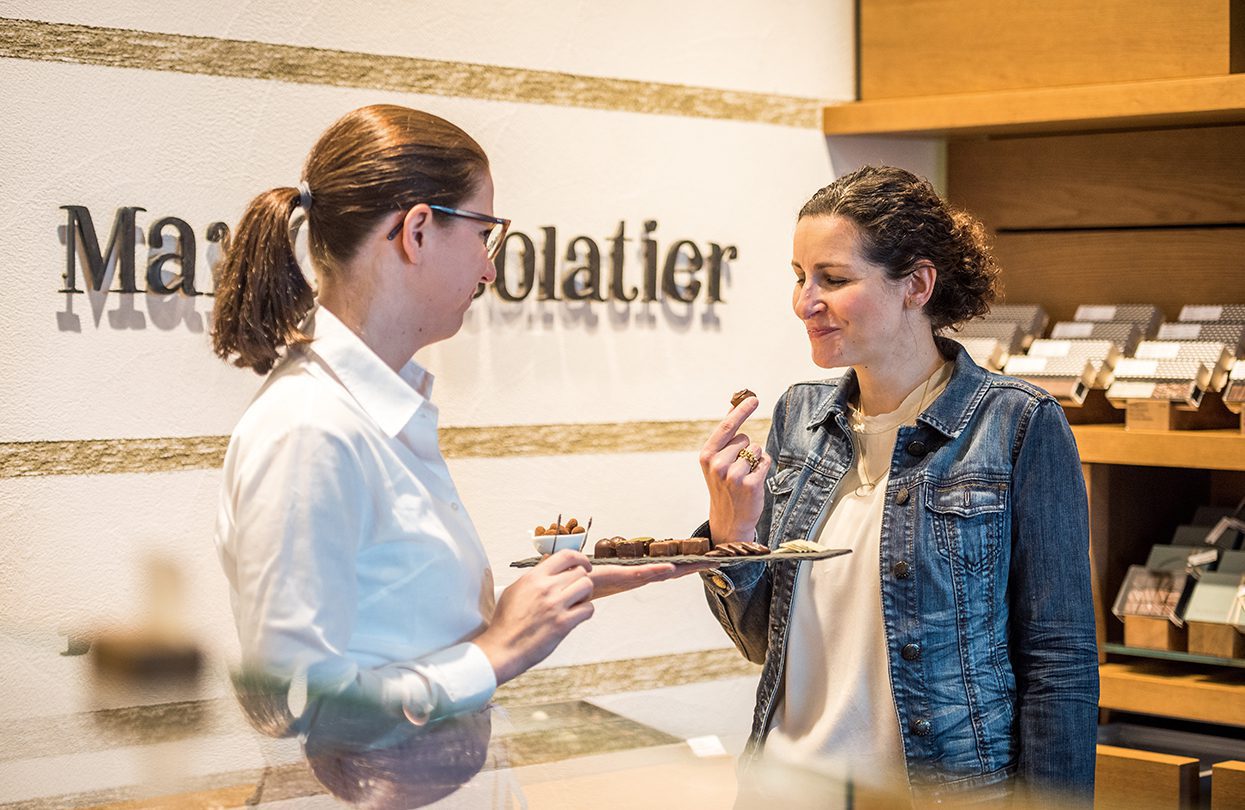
point(1116, 178)
point(1171, 655)
point(1182, 691)
point(1200, 449)
point(1118, 105)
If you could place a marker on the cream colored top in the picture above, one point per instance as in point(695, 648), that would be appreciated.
point(836, 715)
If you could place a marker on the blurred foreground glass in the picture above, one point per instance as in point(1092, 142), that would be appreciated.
point(367, 756)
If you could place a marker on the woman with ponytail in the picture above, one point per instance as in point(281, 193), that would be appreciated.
point(951, 657)
point(355, 572)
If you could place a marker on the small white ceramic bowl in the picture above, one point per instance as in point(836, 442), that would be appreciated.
point(549, 543)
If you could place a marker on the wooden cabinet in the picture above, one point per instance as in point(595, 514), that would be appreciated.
point(961, 67)
point(1106, 154)
point(931, 47)
point(1154, 217)
point(1128, 779)
point(1141, 486)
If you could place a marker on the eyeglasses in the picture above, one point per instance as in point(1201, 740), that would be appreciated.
point(492, 241)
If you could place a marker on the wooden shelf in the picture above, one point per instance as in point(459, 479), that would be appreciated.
point(1186, 692)
point(1120, 105)
point(1173, 655)
point(1198, 449)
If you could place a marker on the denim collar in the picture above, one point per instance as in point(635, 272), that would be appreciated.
point(949, 414)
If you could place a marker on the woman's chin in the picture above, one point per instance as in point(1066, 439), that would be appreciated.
point(824, 359)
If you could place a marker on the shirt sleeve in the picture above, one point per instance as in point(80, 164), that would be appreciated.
point(301, 510)
point(1053, 641)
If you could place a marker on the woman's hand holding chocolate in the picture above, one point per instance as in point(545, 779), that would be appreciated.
point(734, 468)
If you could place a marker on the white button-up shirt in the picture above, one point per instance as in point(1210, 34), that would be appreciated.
point(350, 560)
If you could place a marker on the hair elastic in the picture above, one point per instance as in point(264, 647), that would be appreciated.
point(304, 195)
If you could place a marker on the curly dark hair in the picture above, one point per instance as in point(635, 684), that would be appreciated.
point(903, 220)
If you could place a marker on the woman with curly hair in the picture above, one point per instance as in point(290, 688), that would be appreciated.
point(951, 656)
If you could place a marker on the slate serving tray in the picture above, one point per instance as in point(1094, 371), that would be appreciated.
point(683, 559)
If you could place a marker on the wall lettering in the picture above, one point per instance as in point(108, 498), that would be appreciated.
point(680, 271)
point(584, 278)
point(82, 243)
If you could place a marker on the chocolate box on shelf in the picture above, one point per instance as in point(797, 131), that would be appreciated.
point(1183, 382)
point(1031, 317)
point(1150, 603)
point(1212, 313)
point(1068, 379)
point(1209, 615)
point(1101, 354)
point(1217, 357)
point(1148, 317)
point(1231, 335)
point(1234, 389)
point(989, 353)
point(1008, 333)
point(1124, 335)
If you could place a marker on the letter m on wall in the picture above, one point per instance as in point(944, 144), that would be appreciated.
point(80, 230)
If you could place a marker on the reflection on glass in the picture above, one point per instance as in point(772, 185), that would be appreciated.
point(364, 754)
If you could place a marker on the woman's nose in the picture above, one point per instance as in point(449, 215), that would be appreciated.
point(806, 302)
point(490, 272)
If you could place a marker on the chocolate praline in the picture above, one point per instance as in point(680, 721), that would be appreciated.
point(740, 396)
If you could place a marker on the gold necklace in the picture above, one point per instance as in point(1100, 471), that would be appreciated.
point(868, 486)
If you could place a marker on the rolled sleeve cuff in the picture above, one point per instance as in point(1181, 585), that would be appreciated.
point(742, 573)
point(718, 581)
point(456, 680)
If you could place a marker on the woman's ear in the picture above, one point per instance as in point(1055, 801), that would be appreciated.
point(920, 284)
point(414, 228)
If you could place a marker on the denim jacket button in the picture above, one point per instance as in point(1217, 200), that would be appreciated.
point(901, 497)
point(911, 652)
point(921, 728)
point(917, 448)
point(719, 581)
point(901, 570)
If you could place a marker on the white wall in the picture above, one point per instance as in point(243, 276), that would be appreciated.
point(796, 48)
point(198, 147)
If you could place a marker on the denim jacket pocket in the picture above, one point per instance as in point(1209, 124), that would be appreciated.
point(969, 520)
point(780, 485)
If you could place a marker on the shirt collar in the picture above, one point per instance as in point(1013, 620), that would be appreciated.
point(949, 413)
point(390, 399)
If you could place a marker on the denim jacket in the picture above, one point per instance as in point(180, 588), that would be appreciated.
point(986, 598)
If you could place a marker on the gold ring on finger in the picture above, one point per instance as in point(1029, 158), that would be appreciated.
point(750, 457)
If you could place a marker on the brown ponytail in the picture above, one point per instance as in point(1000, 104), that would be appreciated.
point(370, 164)
point(902, 220)
point(261, 294)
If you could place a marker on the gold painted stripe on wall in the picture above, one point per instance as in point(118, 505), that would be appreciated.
point(581, 681)
point(109, 456)
point(208, 56)
point(106, 456)
point(570, 440)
